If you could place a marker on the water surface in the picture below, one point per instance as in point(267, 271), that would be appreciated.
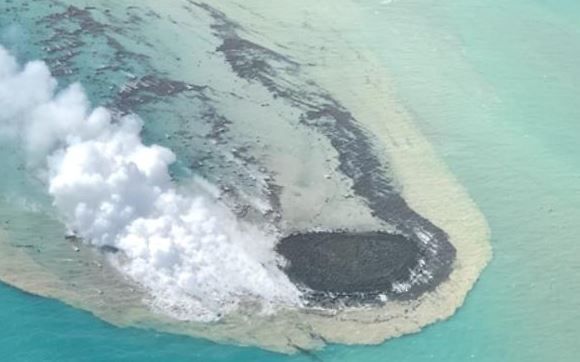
point(494, 87)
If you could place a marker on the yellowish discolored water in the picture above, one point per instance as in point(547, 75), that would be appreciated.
point(353, 74)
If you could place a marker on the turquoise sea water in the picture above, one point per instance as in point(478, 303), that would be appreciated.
point(495, 87)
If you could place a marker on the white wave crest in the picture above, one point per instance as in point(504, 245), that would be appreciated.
point(195, 258)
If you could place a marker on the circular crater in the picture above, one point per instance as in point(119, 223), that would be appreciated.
point(348, 263)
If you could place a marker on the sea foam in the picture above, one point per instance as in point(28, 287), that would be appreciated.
point(196, 260)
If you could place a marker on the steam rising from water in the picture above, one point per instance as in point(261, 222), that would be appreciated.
point(195, 258)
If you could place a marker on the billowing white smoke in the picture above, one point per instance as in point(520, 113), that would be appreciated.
point(195, 258)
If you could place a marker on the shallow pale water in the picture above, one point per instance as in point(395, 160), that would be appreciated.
point(497, 93)
point(495, 89)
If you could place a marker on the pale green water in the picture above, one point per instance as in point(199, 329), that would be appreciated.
point(495, 88)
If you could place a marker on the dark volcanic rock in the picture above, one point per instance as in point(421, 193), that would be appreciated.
point(348, 263)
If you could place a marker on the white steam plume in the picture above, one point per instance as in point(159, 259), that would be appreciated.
point(195, 258)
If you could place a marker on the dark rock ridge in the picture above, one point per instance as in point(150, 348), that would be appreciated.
point(428, 254)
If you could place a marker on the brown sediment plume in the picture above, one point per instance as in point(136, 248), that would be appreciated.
point(382, 168)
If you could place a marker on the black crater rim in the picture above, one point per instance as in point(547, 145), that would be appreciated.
point(348, 263)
